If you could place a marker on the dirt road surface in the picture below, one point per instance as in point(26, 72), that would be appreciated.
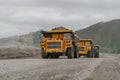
point(105, 68)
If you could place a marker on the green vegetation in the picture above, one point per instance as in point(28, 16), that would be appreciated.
point(105, 34)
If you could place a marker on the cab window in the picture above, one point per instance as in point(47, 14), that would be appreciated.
point(87, 43)
point(67, 36)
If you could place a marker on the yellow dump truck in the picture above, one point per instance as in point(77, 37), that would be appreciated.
point(58, 42)
point(87, 48)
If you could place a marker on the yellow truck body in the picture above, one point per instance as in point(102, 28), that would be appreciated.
point(87, 48)
point(58, 43)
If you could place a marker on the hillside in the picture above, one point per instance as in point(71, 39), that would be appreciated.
point(27, 40)
point(20, 46)
point(105, 34)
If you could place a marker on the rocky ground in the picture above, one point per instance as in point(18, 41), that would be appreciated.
point(105, 68)
point(15, 53)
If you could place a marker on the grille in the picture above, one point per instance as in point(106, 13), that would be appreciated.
point(81, 48)
point(54, 45)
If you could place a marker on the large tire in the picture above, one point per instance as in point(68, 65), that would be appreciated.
point(44, 56)
point(76, 54)
point(92, 54)
point(70, 53)
point(97, 55)
point(88, 54)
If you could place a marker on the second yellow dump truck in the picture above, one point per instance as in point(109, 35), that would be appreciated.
point(59, 42)
point(87, 48)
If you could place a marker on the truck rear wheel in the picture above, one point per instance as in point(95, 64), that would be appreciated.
point(44, 55)
point(76, 54)
point(96, 51)
point(97, 55)
point(70, 53)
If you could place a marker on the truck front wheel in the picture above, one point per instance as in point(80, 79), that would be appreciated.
point(44, 55)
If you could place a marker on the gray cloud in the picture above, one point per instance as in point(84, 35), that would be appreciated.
point(23, 16)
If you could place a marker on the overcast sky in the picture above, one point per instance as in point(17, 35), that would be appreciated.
point(22, 16)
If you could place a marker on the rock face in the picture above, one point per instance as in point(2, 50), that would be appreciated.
point(17, 41)
point(19, 47)
point(28, 38)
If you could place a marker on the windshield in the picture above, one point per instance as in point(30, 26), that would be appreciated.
point(87, 43)
point(67, 36)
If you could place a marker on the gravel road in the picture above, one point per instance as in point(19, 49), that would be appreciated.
point(107, 68)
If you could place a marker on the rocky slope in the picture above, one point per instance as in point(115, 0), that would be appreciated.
point(20, 46)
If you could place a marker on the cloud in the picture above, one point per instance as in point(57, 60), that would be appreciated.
point(22, 16)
